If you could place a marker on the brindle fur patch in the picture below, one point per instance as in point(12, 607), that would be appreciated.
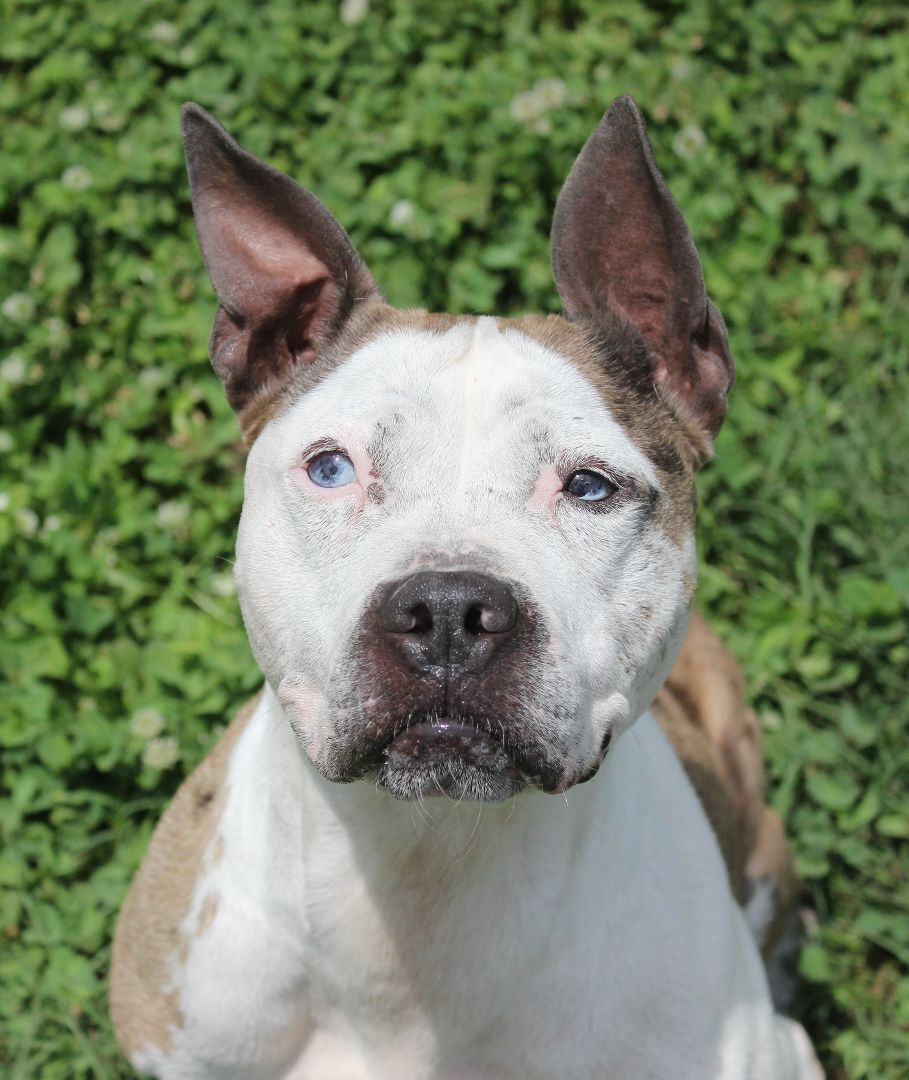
point(702, 710)
point(143, 1010)
point(611, 360)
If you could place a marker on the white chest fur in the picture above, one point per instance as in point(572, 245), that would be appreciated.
point(354, 936)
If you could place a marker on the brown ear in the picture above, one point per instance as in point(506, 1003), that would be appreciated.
point(283, 269)
point(620, 247)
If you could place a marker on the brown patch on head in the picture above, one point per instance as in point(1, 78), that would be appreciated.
point(143, 1010)
point(611, 358)
point(367, 321)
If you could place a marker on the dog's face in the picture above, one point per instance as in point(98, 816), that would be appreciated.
point(466, 554)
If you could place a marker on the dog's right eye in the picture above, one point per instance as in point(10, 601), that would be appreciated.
point(331, 469)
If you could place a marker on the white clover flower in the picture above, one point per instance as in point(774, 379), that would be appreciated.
point(681, 70)
point(112, 121)
point(689, 141)
point(353, 11)
point(13, 369)
point(187, 55)
point(57, 330)
point(602, 72)
point(18, 307)
point(51, 523)
point(4, 502)
point(223, 584)
point(525, 107)
point(172, 514)
point(164, 32)
point(551, 92)
point(225, 105)
point(161, 753)
point(152, 377)
point(74, 118)
point(531, 106)
point(6, 441)
point(76, 178)
point(146, 723)
point(107, 116)
point(28, 521)
point(402, 213)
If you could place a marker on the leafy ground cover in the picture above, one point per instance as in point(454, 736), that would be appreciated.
point(439, 134)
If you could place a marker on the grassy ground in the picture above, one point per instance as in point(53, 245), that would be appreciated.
point(439, 135)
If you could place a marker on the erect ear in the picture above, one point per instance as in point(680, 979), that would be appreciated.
point(620, 247)
point(284, 271)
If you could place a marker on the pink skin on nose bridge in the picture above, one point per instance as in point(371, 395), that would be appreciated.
point(546, 491)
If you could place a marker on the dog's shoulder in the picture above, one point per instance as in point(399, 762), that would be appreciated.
point(143, 1007)
point(702, 709)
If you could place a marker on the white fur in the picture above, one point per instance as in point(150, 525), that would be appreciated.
point(585, 935)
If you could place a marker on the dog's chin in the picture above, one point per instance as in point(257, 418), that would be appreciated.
point(446, 757)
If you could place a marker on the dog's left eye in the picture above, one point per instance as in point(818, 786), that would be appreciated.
point(589, 486)
point(331, 469)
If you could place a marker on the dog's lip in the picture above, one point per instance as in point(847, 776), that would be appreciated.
point(444, 730)
point(433, 738)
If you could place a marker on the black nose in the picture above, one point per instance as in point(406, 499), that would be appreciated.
point(449, 622)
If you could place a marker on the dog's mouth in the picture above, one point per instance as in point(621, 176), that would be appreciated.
point(449, 756)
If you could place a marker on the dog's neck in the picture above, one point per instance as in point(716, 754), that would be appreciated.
point(397, 844)
point(400, 891)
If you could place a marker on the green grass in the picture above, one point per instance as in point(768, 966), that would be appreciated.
point(439, 135)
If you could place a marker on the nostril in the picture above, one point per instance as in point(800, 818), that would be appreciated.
point(473, 620)
point(404, 617)
point(421, 620)
point(490, 619)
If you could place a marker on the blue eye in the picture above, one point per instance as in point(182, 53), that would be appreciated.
point(589, 485)
point(331, 469)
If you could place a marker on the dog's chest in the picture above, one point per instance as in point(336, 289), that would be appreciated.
point(481, 952)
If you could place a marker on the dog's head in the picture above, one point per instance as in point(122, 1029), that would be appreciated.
point(466, 554)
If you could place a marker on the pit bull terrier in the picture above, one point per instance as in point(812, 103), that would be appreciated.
point(476, 826)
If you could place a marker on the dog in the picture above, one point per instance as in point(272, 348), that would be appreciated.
point(497, 812)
